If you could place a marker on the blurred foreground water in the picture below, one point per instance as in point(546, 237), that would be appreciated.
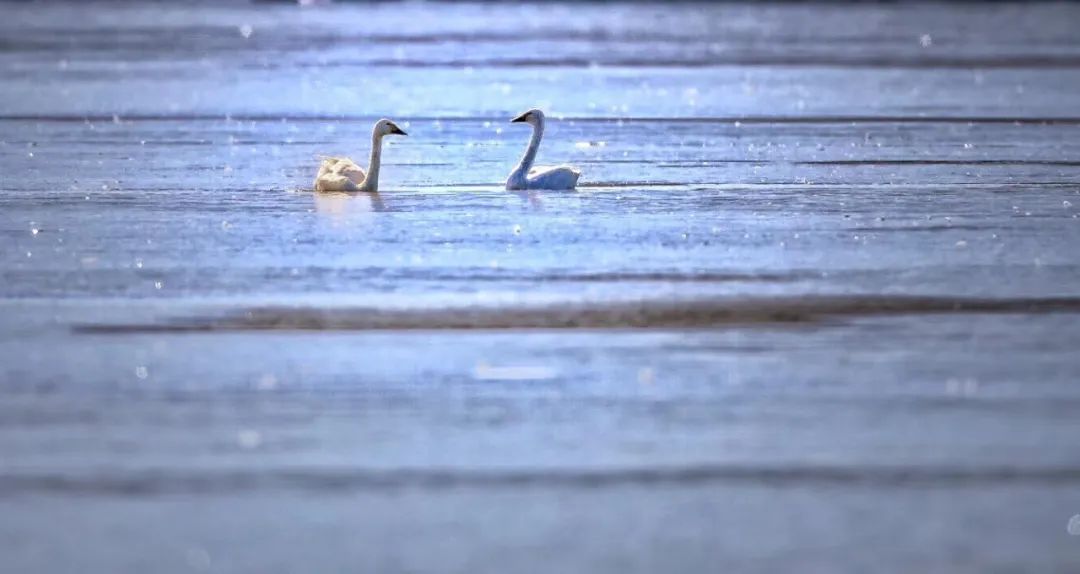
point(813, 307)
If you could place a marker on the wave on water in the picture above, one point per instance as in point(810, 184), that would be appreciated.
point(1062, 163)
point(177, 481)
point(292, 116)
point(919, 62)
point(643, 314)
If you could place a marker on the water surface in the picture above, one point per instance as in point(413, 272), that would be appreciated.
point(813, 306)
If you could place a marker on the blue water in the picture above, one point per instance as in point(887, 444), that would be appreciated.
point(812, 307)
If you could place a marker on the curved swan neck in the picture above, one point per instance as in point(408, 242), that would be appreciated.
point(371, 182)
point(530, 152)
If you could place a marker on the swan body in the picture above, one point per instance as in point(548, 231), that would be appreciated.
point(342, 173)
point(339, 174)
point(525, 176)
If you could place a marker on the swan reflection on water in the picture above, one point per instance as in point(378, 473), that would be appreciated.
point(348, 209)
point(531, 198)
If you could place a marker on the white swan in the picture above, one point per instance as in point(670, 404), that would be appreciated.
point(525, 176)
point(342, 173)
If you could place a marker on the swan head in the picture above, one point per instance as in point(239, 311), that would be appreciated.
point(533, 117)
point(385, 127)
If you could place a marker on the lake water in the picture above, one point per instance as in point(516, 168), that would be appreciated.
point(814, 305)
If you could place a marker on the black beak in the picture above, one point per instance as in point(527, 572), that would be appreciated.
point(396, 130)
point(520, 118)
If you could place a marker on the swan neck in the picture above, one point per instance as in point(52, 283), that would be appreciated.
point(530, 152)
point(371, 182)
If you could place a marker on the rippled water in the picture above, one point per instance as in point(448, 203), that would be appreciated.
point(814, 305)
